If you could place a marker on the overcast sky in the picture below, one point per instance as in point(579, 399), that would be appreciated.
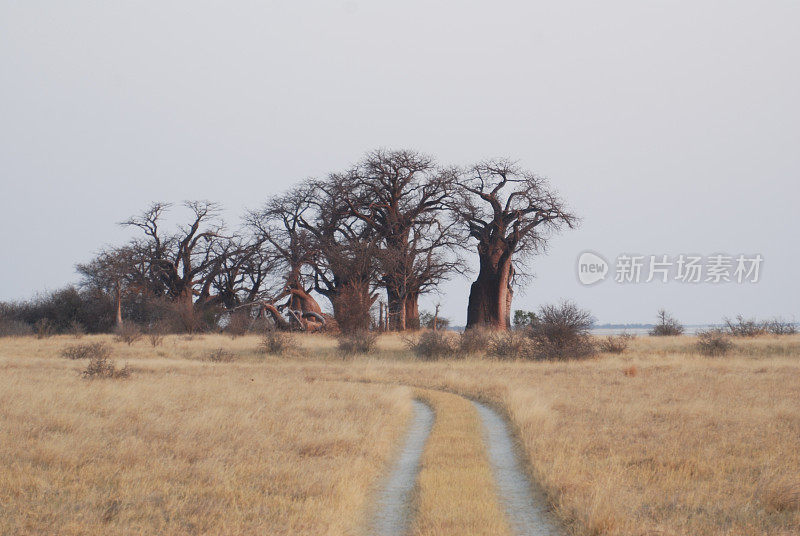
point(670, 126)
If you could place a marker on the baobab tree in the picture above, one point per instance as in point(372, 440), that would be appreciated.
point(345, 268)
point(511, 213)
point(182, 263)
point(401, 197)
point(278, 224)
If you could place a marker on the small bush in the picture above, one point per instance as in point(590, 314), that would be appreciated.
point(43, 328)
point(616, 344)
point(778, 326)
point(128, 333)
point(744, 327)
point(667, 326)
point(510, 345)
point(14, 328)
point(474, 341)
point(101, 367)
point(95, 350)
point(357, 342)
point(220, 356)
point(277, 342)
point(155, 338)
point(238, 324)
point(431, 345)
point(156, 332)
point(782, 495)
point(76, 329)
point(713, 342)
point(561, 332)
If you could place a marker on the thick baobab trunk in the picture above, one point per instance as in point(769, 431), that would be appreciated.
point(412, 311)
point(396, 307)
point(490, 295)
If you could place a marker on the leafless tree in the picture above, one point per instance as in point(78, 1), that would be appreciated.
point(400, 196)
point(279, 223)
point(118, 271)
point(183, 263)
point(511, 213)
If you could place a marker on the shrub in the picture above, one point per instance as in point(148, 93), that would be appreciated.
point(713, 342)
point(93, 350)
point(782, 495)
point(667, 325)
point(510, 345)
point(561, 332)
point(128, 333)
point(92, 308)
point(101, 367)
point(743, 327)
point(616, 344)
point(431, 345)
point(76, 329)
point(277, 342)
point(220, 356)
point(238, 324)
point(474, 341)
point(357, 342)
point(43, 328)
point(14, 328)
point(156, 332)
point(778, 326)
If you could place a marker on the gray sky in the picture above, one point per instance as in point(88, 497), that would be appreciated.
point(670, 127)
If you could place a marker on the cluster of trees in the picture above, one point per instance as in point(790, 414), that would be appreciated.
point(395, 224)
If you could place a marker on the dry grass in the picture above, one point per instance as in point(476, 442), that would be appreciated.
point(188, 448)
point(455, 491)
point(686, 444)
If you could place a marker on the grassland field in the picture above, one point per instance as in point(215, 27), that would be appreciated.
point(658, 440)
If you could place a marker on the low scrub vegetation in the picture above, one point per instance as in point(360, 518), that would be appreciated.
point(713, 342)
point(14, 328)
point(357, 342)
point(615, 344)
point(94, 350)
point(432, 345)
point(276, 342)
point(750, 327)
point(220, 355)
point(667, 326)
point(128, 333)
point(474, 341)
point(744, 327)
point(561, 332)
point(510, 345)
point(101, 367)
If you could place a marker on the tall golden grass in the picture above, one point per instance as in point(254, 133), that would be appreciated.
point(187, 447)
